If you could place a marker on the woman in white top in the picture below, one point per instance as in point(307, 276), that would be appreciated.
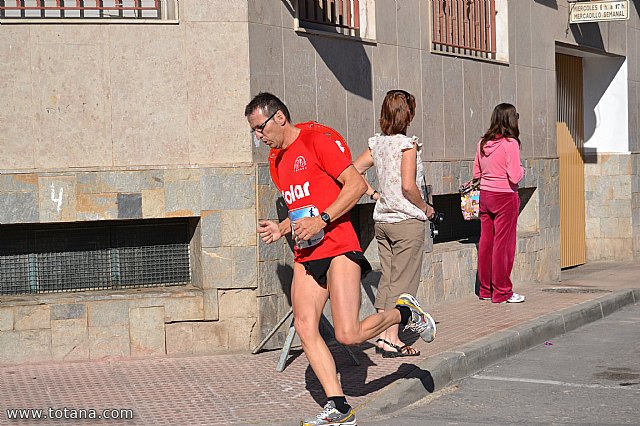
point(400, 212)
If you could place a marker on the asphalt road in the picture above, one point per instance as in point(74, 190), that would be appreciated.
point(590, 376)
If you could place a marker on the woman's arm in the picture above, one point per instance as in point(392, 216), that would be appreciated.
point(515, 172)
point(408, 170)
point(477, 172)
point(363, 163)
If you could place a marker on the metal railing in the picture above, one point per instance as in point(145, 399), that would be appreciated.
point(341, 15)
point(82, 9)
point(464, 27)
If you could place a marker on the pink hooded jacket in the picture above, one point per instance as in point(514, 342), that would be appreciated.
point(499, 167)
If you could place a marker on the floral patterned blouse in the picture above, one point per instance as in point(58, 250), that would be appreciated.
point(386, 151)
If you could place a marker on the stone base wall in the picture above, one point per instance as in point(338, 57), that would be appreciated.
point(218, 313)
point(609, 195)
point(449, 269)
point(240, 287)
point(635, 203)
point(149, 323)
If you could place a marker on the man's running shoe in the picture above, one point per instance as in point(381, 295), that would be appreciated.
point(330, 416)
point(420, 322)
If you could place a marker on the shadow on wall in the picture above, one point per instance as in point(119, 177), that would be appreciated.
point(587, 35)
point(599, 74)
point(341, 67)
point(349, 63)
point(549, 3)
point(525, 196)
point(345, 58)
point(602, 83)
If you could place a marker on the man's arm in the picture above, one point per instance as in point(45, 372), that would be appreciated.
point(353, 187)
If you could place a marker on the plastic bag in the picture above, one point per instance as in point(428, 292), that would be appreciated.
point(470, 199)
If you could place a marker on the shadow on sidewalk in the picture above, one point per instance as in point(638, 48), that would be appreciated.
point(354, 378)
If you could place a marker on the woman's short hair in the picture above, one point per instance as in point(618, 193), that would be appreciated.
point(398, 109)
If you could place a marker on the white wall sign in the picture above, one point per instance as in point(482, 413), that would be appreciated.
point(594, 11)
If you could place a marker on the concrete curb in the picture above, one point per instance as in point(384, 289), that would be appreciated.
point(443, 369)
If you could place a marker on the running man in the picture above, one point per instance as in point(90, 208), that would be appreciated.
point(314, 171)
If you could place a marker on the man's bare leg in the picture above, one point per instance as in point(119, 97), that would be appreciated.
point(308, 299)
point(343, 281)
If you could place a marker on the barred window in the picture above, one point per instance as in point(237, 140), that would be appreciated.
point(346, 17)
point(130, 10)
point(55, 258)
point(464, 27)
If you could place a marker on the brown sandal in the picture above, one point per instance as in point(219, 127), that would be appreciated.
point(400, 351)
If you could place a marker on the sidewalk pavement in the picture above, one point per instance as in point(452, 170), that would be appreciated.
point(246, 389)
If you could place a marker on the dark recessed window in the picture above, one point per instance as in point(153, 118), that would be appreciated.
point(102, 255)
point(454, 227)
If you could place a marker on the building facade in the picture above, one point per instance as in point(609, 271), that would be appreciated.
point(130, 187)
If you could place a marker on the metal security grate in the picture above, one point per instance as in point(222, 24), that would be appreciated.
point(83, 9)
point(97, 256)
point(464, 27)
point(341, 15)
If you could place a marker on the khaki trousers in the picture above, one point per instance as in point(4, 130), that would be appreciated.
point(400, 248)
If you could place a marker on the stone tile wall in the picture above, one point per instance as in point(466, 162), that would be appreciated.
point(635, 203)
point(609, 202)
point(449, 269)
point(217, 313)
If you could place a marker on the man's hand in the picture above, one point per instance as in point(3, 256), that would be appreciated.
point(306, 227)
point(269, 231)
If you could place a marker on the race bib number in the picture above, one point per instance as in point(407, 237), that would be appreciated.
point(307, 211)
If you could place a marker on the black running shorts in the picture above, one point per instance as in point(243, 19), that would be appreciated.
point(318, 268)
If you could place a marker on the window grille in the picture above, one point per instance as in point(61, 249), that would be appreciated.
point(83, 9)
point(464, 27)
point(93, 256)
point(340, 16)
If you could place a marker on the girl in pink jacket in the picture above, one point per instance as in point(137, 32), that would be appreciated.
point(497, 165)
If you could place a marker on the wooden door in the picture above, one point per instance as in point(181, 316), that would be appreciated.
point(570, 139)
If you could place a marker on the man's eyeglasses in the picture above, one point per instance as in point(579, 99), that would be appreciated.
point(260, 128)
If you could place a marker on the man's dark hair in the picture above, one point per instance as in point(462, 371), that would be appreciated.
point(268, 104)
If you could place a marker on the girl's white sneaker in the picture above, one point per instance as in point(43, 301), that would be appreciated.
point(515, 298)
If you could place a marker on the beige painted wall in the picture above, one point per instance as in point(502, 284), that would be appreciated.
point(105, 96)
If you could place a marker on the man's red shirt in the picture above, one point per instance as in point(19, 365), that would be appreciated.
point(308, 170)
